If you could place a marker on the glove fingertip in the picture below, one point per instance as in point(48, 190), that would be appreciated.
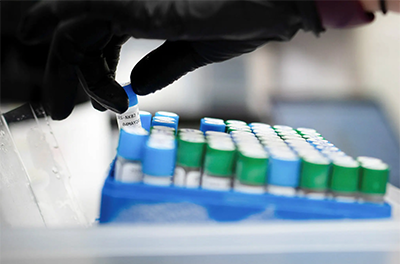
point(163, 66)
point(97, 106)
point(141, 76)
point(60, 114)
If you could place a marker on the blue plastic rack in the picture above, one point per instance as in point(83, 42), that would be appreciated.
point(141, 203)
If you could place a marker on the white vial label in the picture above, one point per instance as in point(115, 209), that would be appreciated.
point(131, 118)
point(281, 190)
point(157, 180)
point(248, 188)
point(128, 171)
point(193, 179)
point(216, 183)
point(179, 177)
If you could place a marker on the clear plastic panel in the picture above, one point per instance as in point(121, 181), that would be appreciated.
point(18, 205)
point(44, 165)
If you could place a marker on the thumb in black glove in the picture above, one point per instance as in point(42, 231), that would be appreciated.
point(87, 37)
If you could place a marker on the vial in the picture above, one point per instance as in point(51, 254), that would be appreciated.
point(259, 125)
point(159, 160)
point(314, 176)
point(237, 127)
point(128, 166)
point(162, 130)
point(218, 165)
point(168, 114)
point(131, 118)
point(368, 160)
point(189, 160)
point(251, 170)
point(164, 121)
point(344, 179)
point(182, 131)
point(212, 124)
point(305, 130)
point(282, 128)
point(216, 135)
point(374, 177)
point(145, 119)
point(283, 172)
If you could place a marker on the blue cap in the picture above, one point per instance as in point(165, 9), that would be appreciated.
point(145, 119)
point(131, 143)
point(164, 121)
point(159, 158)
point(257, 124)
point(168, 114)
point(284, 171)
point(212, 124)
point(131, 95)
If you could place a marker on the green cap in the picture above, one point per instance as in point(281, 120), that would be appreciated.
point(220, 158)
point(251, 167)
point(314, 173)
point(374, 177)
point(345, 176)
point(368, 160)
point(288, 137)
point(282, 127)
point(235, 122)
point(316, 135)
point(189, 131)
point(305, 130)
point(233, 127)
point(190, 151)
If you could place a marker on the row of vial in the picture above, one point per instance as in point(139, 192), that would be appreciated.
point(254, 158)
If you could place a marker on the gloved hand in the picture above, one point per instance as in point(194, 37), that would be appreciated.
point(87, 37)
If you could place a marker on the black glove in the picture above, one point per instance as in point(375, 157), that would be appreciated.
point(87, 37)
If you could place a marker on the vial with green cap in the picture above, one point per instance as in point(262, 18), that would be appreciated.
point(237, 127)
point(189, 131)
point(345, 179)
point(218, 165)
point(251, 170)
point(235, 122)
point(314, 176)
point(368, 160)
point(189, 160)
point(131, 117)
point(374, 177)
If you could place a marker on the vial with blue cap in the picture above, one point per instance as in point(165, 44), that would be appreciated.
point(283, 172)
point(159, 160)
point(168, 114)
point(164, 121)
point(145, 119)
point(212, 124)
point(131, 118)
point(128, 166)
